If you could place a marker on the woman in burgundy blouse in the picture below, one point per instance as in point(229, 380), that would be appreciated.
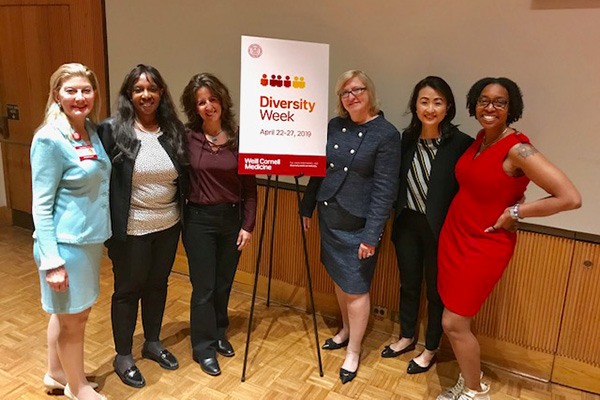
point(219, 216)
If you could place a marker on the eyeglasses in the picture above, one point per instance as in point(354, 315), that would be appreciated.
point(354, 92)
point(499, 104)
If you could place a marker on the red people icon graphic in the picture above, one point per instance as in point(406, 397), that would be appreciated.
point(276, 81)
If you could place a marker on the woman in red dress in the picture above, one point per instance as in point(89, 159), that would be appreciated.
point(478, 237)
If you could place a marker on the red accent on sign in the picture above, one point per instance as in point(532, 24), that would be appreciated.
point(281, 164)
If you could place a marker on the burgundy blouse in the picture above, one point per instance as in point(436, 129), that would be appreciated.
point(214, 178)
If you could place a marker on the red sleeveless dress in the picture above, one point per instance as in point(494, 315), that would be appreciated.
point(471, 261)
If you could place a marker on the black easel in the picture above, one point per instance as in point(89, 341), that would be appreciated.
point(257, 266)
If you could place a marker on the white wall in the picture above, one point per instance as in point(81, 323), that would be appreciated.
point(549, 47)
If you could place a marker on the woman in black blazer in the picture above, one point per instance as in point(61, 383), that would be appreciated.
point(145, 141)
point(354, 201)
point(431, 146)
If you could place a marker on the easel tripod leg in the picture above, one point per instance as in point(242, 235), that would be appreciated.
point(256, 271)
point(310, 290)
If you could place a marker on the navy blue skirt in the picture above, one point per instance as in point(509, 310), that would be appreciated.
point(340, 239)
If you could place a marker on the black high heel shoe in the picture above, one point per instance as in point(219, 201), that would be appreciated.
point(346, 376)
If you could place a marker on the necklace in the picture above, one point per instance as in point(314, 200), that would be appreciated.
point(213, 138)
point(485, 145)
point(139, 125)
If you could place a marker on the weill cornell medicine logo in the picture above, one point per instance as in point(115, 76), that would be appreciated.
point(255, 50)
point(278, 81)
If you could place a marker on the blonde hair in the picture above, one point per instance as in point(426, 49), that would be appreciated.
point(54, 112)
point(364, 78)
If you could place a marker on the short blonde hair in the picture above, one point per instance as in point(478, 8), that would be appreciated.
point(63, 73)
point(364, 78)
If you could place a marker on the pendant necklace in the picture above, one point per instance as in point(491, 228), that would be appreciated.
point(213, 138)
point(485, 145)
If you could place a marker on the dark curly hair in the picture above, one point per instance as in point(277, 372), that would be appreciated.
point(441, 86)
point(220, 91)
point(172, 128)
point(515, 97)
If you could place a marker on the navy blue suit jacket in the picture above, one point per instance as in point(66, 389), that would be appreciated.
point(362, 174)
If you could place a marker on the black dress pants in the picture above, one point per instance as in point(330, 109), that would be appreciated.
point(209, 237)
point(416, 250)
point(141, 267)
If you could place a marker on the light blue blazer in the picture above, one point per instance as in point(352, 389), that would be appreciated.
point(70, 196)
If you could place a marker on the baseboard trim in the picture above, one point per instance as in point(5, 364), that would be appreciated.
point(6, 216)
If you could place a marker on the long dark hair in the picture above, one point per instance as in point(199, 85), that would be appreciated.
point(441, 86)
point(172, 128)
point(220, 91)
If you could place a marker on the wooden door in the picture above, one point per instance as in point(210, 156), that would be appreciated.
point(35, 38)
point(577, 361)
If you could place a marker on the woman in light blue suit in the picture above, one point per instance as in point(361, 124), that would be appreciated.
point(354, 201)
point(70, 179)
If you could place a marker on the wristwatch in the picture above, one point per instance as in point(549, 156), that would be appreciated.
point(514, 212)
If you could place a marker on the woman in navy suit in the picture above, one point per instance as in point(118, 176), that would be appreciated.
point(354, 201)
point(431, 146)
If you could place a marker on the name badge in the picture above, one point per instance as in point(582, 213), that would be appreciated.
point(86, 152)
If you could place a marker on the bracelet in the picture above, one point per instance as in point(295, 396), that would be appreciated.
point(514, 212)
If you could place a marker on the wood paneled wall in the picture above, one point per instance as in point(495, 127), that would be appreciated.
point(578, 357)
point(526, 306)
point(523, 313)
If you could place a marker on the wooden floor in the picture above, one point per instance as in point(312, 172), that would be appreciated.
point(282, 362)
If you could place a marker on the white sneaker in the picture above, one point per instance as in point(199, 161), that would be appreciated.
point(455, 391)
point(468, 394)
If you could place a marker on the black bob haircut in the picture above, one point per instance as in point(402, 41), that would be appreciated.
point(515, 97)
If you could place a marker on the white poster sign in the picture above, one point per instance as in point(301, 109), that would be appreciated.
point(283, 107)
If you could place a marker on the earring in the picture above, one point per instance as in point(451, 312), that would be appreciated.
point(59, 105)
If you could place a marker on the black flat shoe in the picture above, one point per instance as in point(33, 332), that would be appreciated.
point(331, 345)
point(346, 376)
point(131, 377)
point(414, 368)
point(388, 352)
point(210, 365)
point(225, 348)
point(165, 358)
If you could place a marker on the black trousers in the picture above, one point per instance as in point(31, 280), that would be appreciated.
point(209, 237)
point(416, 250)
point(141, 267)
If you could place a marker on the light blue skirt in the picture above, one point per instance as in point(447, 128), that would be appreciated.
point(83, 268)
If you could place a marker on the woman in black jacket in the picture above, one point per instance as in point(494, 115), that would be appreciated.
point(431, 145)
point(145, 141)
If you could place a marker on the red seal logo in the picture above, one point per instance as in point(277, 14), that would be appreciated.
point(255, 50)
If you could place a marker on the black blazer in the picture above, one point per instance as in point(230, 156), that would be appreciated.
point(442, 183)
point(122, 174)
